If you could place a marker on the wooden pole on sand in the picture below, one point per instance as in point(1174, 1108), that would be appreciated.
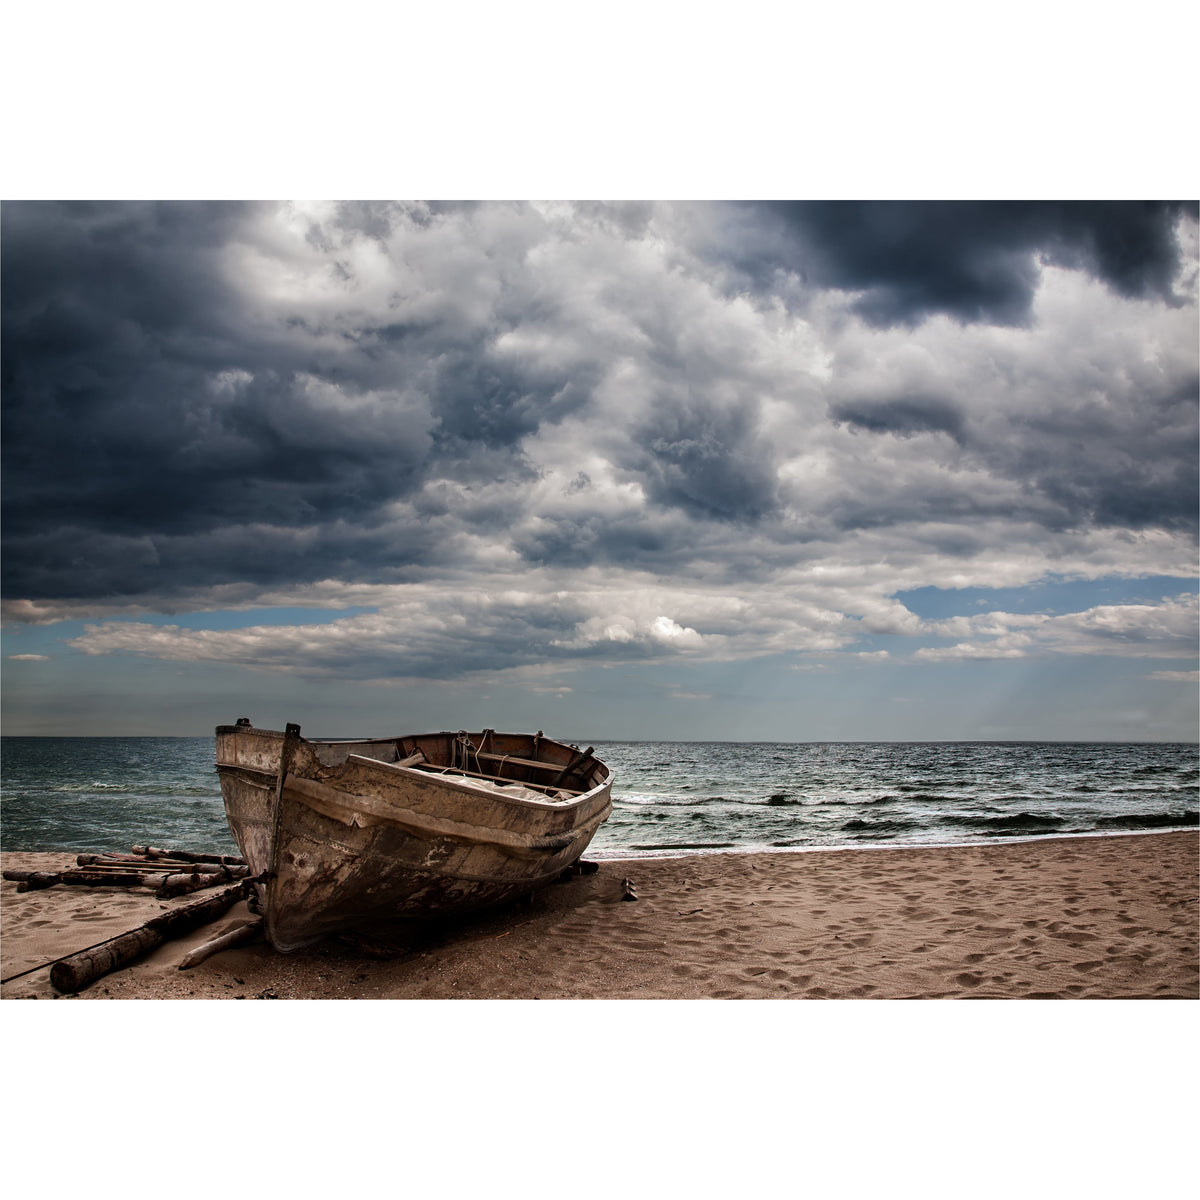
point(73, 974)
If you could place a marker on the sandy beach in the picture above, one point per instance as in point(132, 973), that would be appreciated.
point(1056, 918)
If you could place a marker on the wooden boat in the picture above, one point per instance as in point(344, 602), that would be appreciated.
point(361, 836)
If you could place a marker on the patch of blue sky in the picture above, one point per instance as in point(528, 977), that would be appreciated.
point(1051, 596)
point(247, 618)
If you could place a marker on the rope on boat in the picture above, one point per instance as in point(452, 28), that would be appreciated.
point(468, 749)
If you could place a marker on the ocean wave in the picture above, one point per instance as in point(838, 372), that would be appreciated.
point(636, 800)
point(929, 798)
point(880, 828)
point(1149, 820)
point(885, 798)
point(1025, 821)
point(90, 786)
point(685, 846)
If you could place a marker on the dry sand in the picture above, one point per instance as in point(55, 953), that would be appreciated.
point(1056, 918)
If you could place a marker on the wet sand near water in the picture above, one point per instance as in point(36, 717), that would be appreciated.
point(1056, 918)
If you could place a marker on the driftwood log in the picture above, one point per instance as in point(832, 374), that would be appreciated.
point(85, 877)
point(165, 881)
point(238, 936)
point(125, 860)
point(230, 860)
point(133, 861)
point(166, 877)
point(180, 885)
point(31, 881)
point(73, 974)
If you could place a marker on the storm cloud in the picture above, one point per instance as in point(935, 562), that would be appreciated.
point(702, 429)
point(973, 261)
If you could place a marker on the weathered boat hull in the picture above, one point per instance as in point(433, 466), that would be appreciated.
point(351, 840)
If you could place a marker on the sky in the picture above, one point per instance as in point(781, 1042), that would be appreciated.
point(717, 470)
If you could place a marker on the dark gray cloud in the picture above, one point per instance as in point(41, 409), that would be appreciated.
point(1108, 461)
point(70, 562)
point(478, 401)
point(707, 460)
point(973, 261)
point(1106, 465)
point(903, 416)
point(144, 396)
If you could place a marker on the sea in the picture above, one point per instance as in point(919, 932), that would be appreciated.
point(669, 798)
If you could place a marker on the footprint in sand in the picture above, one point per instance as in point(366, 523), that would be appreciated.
point(969, 979)
point(1075, 937)
point(1128, 962)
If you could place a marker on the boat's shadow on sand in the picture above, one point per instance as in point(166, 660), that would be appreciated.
point(558, 898)
point(519, 950)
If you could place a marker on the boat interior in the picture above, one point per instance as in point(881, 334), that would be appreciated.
point(556, 770)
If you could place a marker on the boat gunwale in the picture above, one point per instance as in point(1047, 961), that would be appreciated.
point(321, 797)
point(268, 780)
point(332, 776)
point(479, 787)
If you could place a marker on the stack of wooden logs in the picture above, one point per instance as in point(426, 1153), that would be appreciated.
point(167, 872)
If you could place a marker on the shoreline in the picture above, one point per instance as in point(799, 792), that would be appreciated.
point(602, 856)
point(1105, 916)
